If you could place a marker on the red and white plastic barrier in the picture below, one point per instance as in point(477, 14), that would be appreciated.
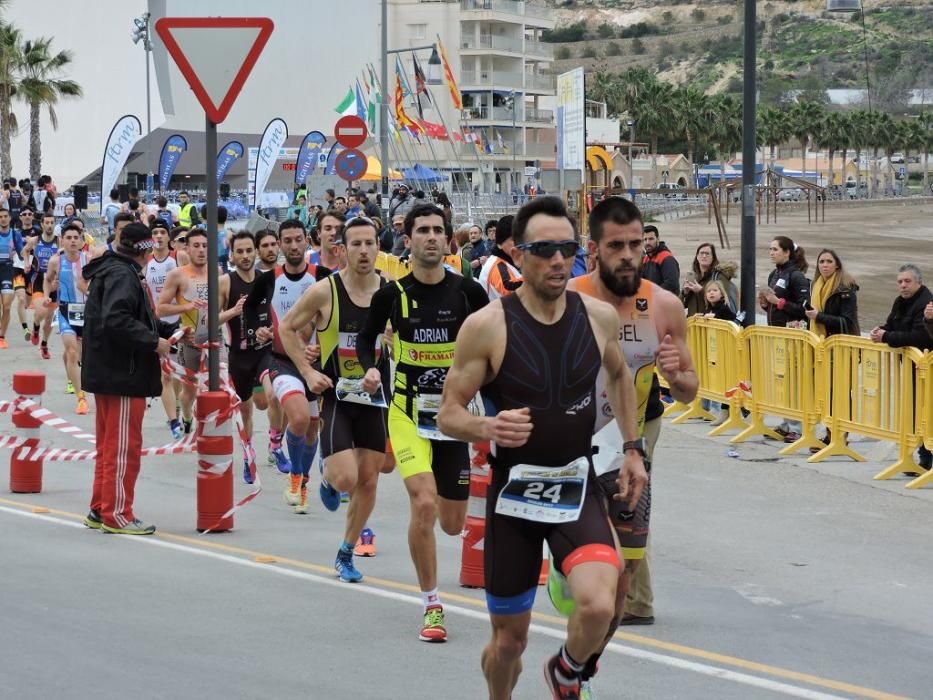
point(215, 461)
point(472, 567)
point(26, 469)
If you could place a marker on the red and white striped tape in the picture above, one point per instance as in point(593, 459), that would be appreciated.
point(46, 417)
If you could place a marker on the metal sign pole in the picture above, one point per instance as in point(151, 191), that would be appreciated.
point(213, 324)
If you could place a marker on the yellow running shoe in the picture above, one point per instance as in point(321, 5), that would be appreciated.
point(433, 629)
point(292, 494)
point(302, 507)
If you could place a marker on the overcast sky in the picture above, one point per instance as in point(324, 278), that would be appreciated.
point(107, 65)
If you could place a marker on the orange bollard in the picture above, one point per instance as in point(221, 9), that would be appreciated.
point(26, 474)
point(215, 466)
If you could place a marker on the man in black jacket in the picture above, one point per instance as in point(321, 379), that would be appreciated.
point(659, 265)
point(905, 325)
point(120, 366)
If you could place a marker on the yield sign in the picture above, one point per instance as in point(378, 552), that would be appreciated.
point(215, 54)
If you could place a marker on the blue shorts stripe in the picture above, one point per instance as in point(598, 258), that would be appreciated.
point(515, 605)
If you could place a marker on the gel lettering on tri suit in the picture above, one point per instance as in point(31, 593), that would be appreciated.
point(547, 486)
point(282, 289)
point(425, 321)
point(247, 354)
point(348, 421)
point(638, 338)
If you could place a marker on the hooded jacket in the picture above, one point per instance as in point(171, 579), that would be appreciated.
point(662, 268)
point(792, 287)
point(121, 332)
point(905, 326)
point(695, 302)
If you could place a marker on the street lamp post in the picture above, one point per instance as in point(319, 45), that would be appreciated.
point(631, 165)
point(514, 165)
point(141, 33)
point(748, 166)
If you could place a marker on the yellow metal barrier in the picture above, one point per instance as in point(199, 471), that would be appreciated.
point(785, 382)
point(395, 268)
point(925, 414)
point(695, 408)
point(719, 362)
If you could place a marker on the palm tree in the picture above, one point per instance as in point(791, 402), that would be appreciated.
point(909, 138)
point(695, 115)
point(43, 86)
point(926, 145)
point(727, 131)
point(859, 124)
point(805, 117)
point(880, 127)
point(604, 87)
point(652, 114)
point(10, 44)
point(832, 134)
point(773, 128)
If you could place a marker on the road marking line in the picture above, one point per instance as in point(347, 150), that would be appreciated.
point(197, 545)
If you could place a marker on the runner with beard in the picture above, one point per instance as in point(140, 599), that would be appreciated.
point(426, 309)
point(267, 247)
point(353, 441)
point(247, 353)
point(653, 333)
point(537, 356)
point(282, 289)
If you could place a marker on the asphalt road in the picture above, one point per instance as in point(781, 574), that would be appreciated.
point(772, 579)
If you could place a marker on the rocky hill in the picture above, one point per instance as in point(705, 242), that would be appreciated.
point(801, 46)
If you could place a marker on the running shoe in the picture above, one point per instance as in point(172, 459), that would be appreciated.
point(345, 569)
point(586, 690)
point(301, 508)
point(433, 629)
point(136, 527)
point(27, 334)
point(562, 681)
point(247, 472)
point(278, 459)
point(558, 590)
point(344, 497)
point(175, 427)
point(365, 544)
point(292, 494)
point(81, 410)
point(186, 423)
point(69, 388)
point(3, 344)
point(44, 351)
point(92, 520)
point(330, 497)
point(34, 336)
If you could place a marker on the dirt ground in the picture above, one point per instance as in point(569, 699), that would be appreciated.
point(872, 239)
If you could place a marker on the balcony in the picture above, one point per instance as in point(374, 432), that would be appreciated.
point(491, 42)
point(487, 79)
point(532, 150)
point(497, 114)
point(545, 116)
point(539, 49)
point(520, 11)
point(537, 81)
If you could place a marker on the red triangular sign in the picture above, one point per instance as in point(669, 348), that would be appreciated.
point(215, 55)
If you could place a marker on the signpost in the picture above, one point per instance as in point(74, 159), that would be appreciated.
point(350, 164)
point(215, 55)
point(350, 132)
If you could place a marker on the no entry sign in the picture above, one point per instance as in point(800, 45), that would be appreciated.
point(350, 131)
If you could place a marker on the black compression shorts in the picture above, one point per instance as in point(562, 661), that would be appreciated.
point(513, 546)
point(631, 526)
point(244, 367)
point(348, 425)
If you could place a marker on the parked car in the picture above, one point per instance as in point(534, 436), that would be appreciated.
point(672, 190)
point(790, 194)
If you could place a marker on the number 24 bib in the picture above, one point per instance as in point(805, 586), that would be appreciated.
point(550, 495)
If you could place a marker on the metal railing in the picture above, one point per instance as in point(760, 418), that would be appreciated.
point(492, 41)
point(539, 82)
point(489, 78)
point(539, 48)
point(539, 115)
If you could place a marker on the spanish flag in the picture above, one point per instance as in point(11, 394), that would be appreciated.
point(449, 77)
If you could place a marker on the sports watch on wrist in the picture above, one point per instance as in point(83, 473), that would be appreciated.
point(637, 445)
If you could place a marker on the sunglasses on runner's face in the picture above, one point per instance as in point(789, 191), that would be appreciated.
point(546, 249)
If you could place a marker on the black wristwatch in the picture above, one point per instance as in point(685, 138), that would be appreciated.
point(637, 445)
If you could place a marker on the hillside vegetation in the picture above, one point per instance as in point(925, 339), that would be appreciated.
point(801, 46)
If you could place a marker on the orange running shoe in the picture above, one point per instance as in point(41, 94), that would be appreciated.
point(81, 410)
point(365, 544)
point(3, 344)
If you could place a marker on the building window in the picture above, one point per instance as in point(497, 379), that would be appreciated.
point(417, 31)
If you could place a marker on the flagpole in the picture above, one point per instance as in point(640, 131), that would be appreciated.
point(401, 143)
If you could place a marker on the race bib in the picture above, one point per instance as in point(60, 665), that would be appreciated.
point(76, 314)
point(427, 407)
point(351, 390)
point(551, 495)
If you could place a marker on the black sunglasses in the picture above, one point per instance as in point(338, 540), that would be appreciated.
point(546, 249)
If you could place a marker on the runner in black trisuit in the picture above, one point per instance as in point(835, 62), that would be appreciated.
point(536, 355)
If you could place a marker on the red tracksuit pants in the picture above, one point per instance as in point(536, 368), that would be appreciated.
point(119, 448)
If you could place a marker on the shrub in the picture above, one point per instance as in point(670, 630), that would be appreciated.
point(698, 14)
point(588, 52)
point(638, 47)
point(563, 53)
point(724, 19)
point(668, 16)
point(613, 49)
point(605, 31)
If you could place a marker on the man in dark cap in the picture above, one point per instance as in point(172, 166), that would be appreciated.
point(123, 341)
